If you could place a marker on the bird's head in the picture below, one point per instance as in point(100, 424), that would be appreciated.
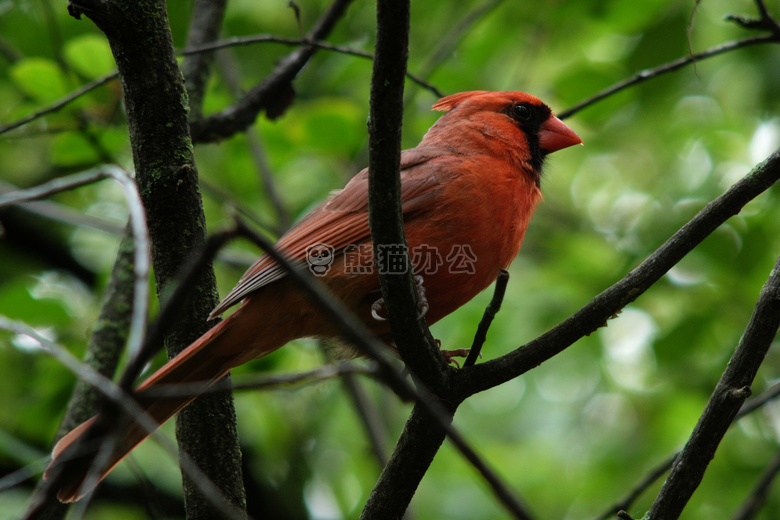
point(519, 118)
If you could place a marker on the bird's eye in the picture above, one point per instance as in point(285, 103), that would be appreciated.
point(521, 112)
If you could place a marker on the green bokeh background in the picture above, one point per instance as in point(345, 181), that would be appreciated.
point(570, 437)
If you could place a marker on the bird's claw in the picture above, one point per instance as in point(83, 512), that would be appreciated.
point(376, 307)
point(450, 355)
point(422, 302)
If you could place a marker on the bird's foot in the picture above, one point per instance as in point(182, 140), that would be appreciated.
point(422, 302)
point(450, 355)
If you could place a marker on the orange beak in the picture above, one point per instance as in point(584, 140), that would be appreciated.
point(554, 136)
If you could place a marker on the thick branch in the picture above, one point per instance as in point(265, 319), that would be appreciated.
point(647, 74)
point(205, 25)
point(106, 345)
point(595, 314)
point(156, 104)
point(273, 92)
point(411, 335)
point(724, 404)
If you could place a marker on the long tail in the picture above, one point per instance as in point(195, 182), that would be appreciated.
point(228, 344)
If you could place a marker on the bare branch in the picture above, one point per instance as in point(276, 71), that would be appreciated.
point(53, 187)
point(438, 415)
point(660, 470)
point(141, 258)
point(230, 72)
point(399, 290)
point(752, 506)
point(275, 92)
point(647, 74)
point(268, 38)
point(264, 382)
point(105, 348)
point(205, 24)
point(137, 223)
point(593, 315)
point(123, 400)
point(61, 103)
point(487, 318)
point(724, 404)
point(765, 22)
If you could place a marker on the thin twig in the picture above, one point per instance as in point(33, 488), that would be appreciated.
point(53, 187)
point(354, 330)
point(487, 318)
point(224, 198)
point(448, 43)
point(368, 417)
point(262, 382)
point(669, 67)
point(724, 404)
point(269, 38)
point(356, 333)
point(759, 401)
point(658, 471)
point(122, 399)
point(593, 315)
point(173, 306)
point(765, 22)
point(275, 93)
point(633, 494)
point(757, 498)
point(141, 262)
point(205, 24)
point(137, 223)
point(230, 72)
point(61, 103)
point(68, 216)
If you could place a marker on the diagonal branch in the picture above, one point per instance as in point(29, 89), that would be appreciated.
point(274, 92)
point(660, 469)
point(73, 96)
point(205, 24)
point(648, 74)
point(477, 378)
point(267, 38)
point(724, 404)
point(751, 507)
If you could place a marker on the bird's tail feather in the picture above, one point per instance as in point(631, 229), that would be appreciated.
point(78, 455)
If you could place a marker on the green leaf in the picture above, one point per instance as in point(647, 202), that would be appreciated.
point(40, 78)
point(90, 55)
point(72, 149)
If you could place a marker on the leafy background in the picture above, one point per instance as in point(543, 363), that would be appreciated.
point(571, 436)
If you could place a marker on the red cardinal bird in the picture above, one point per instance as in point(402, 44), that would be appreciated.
point(468, 192)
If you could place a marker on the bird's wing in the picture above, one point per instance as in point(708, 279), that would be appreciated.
point(340, 221)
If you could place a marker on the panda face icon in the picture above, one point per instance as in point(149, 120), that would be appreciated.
point(320, 258)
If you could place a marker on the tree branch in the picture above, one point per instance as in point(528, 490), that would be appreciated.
point(595, 314)
point(487, 318)
point(750, 508)
point(724, 404)
point(648, 74)
point(274, 94)
point(156, 106)
point(106, 345)
point(410, 334)
point(205, 24)
point(60, 104)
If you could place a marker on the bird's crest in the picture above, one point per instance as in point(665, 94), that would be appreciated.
point(446, 104)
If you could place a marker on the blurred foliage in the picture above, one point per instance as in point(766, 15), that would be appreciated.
point(572, 436)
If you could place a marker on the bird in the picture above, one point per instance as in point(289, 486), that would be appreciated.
point(468, 193)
